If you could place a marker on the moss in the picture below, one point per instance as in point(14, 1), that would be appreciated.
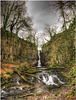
point(4, 80)
point(17, 50)
point(72, 72)
point(57, 94)
point(71, 94)
point(25, 68)
point(60, 51)
point(10, 73)
point(51, 66)
point(73, 82)
point(50, 98)
point(31, 70)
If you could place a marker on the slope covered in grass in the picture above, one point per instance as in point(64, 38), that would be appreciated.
point(16, 54)
point(17, 50)
point(59, 51)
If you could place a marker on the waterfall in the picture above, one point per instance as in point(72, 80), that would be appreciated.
point(39, 61)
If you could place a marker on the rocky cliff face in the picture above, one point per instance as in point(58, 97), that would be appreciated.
point(16, 50)
point(60, 50)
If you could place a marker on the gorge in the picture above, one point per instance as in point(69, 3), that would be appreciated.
point(38, 50)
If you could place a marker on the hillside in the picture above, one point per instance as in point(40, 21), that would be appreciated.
point(60, 51)
point(59, 55)
point(16, 54)
point(16, 50)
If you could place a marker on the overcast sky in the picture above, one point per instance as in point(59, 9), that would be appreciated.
point(42, 14)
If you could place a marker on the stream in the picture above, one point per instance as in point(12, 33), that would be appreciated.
point(51, 80)
point(18, 89)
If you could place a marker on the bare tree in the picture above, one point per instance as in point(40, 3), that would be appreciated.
point(51, 31)
point(13, 13)
point(71, 5)
point(34, 37)
point(62, 6)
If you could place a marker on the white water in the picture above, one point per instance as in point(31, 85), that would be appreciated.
point(18, 82)
point(49, 78)
point(39, 61)
point(18, 78)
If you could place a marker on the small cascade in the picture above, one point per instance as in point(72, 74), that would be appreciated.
point(39, 61)
point(18, 82)
point(18, 78)
point(50, 78)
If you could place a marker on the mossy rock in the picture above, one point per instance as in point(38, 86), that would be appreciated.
point(31, 70)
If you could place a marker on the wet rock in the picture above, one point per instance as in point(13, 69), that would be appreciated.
point(55, 80)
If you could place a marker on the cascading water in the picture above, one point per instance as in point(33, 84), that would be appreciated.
point(49, 78)
point(39, 61)
point(18, 78)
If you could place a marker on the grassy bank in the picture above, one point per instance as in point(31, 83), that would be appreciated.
point(16, 54)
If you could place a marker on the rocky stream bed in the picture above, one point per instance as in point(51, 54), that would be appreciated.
point(55, 88)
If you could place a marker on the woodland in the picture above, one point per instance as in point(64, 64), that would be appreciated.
point(28, 73)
